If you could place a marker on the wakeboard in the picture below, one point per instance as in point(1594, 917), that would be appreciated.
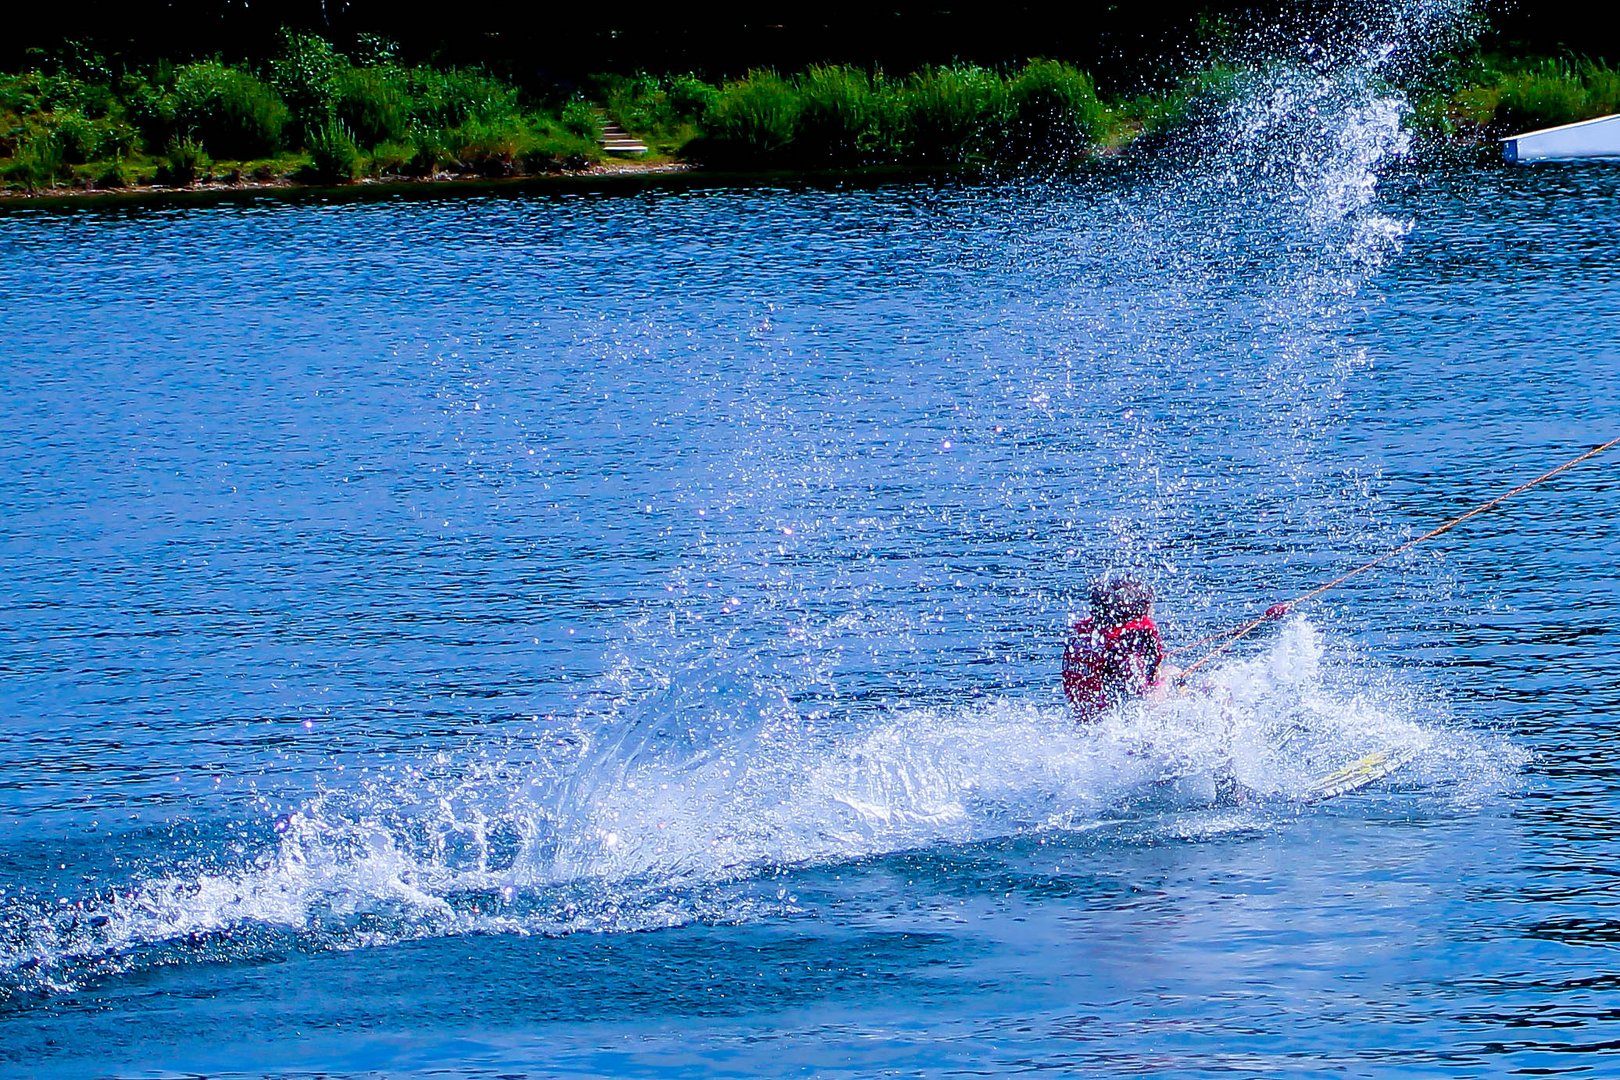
point(1358, 774)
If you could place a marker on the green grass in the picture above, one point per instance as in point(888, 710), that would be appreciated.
point(753, 121)
point(375, 103)
point(1556, 92)
point(36, 163)
point(316, 113)
point(1488, 97)
point(955, 115)
point(184, 163)
point(228, 110)
point(310, 112)
point(369, 114)
point(841, 116)
point(846, 118)
point(1056, 114)
point(333, 156)
point(665, 113)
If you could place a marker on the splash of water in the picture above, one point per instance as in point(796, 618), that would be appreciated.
point(679, 833)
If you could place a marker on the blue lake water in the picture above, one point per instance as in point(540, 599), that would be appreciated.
point(585, 634)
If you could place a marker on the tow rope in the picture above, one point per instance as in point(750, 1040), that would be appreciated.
point(1277, 611)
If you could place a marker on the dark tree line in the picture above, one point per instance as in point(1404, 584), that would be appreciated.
point(554, 42)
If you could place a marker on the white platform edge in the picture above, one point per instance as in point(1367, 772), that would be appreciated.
point(1598, 137)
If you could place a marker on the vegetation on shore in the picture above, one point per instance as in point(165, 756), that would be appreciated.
point(310, 114)
point(1484, 98)
point(314, 114)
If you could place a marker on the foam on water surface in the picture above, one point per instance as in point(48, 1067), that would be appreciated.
point(603, 844)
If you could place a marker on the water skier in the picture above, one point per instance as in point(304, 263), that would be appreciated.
point(1115, 654)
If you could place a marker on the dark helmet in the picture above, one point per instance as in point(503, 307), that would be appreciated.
point(1119, 598)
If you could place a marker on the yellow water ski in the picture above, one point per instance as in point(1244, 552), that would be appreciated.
point(1358, 774)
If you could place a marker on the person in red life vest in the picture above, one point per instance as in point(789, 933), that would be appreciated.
point(1114, 654)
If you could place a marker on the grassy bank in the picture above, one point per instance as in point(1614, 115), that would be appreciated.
point(834, 117)
point(310, 114)
point(313, 114)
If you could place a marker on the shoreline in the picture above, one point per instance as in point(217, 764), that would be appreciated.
point(615, 176)
point(67, 140)
point(609, 178)
point(218, 191)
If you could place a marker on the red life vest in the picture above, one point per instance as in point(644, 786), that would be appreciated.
point(1104, 666)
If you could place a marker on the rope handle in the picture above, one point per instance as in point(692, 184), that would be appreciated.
point(1277, 611)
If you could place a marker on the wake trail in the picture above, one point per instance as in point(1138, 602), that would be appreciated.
point(676, 837)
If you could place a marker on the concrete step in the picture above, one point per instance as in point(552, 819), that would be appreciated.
point(615, 140)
